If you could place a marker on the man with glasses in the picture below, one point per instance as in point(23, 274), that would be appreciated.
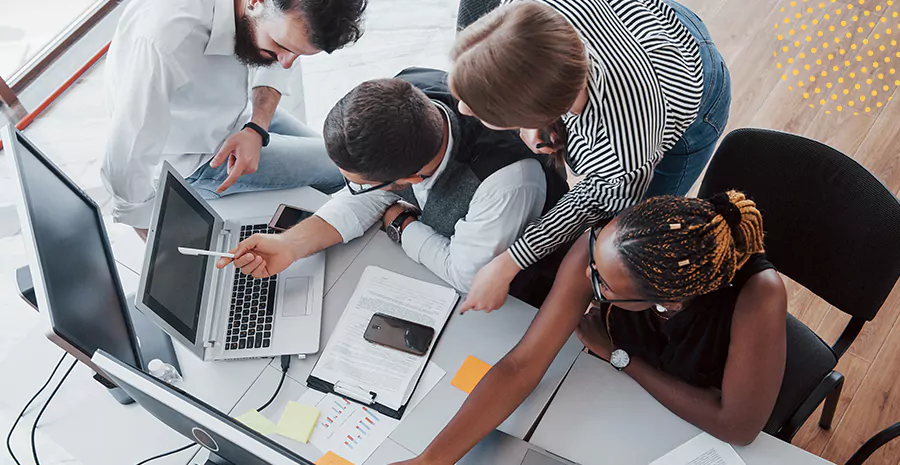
point(452, 193)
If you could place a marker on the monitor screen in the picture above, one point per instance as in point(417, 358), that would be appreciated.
point(174, 286)
point(199, 422)
point(86, 305)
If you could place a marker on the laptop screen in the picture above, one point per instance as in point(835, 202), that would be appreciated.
point(175, 282)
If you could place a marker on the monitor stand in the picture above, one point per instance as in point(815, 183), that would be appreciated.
point(153, 342)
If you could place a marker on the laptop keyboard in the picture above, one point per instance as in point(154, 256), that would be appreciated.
point(252, 305)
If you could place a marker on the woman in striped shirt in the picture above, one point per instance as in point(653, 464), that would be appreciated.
point(630, 94)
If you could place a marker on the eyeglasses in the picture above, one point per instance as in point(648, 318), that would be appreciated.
point(596, 281)
point(595, 277)
point(359, 189)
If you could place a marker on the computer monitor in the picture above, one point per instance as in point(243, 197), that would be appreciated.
point(229, 440)
point(76, 283)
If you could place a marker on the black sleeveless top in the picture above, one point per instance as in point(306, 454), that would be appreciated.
point(693, 344)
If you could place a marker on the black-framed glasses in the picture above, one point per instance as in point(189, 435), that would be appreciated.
point(359, 189)
point(596, 282)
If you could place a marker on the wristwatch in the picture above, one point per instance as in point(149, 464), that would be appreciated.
point(619, 359)
point(395, 229)
point(259, 130)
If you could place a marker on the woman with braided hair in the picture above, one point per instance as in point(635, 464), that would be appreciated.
point(685, 303)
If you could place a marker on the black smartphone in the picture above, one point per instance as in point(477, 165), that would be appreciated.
point(399, 334)
point(287, 216)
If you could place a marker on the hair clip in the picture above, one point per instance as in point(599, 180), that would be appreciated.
point(674, 226)
point(684, 262)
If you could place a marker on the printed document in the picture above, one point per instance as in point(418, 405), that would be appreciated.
point(351, 360)
point(702, 450)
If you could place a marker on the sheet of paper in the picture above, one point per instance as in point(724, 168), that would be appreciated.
point(255, 421)
point(330, 458)
point(354, 431)
point(469, 374)
point(390, 373)
point(702, 450)
point(297, 421)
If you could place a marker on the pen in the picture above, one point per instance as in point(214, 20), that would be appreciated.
point(198, 252)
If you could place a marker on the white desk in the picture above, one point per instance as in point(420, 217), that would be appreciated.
point(603, 417)
point(91, 426)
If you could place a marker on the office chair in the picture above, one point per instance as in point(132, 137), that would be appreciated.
point(832, 227)
point(471, 10)
point(874, 443)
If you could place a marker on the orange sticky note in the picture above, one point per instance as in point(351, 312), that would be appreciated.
point(469, 374)
point(330, 458)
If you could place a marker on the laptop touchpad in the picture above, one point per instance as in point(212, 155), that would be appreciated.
point(296, 297)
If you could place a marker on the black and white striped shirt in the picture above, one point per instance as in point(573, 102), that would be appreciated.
point(644, 91)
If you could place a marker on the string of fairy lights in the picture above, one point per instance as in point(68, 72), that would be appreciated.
point(842, 56)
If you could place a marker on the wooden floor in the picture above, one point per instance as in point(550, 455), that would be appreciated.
point(844, 56)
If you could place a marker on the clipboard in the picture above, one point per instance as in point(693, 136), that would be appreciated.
point(365, 397)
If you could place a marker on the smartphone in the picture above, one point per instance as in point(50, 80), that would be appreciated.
point(287, 216)
point(399, 334)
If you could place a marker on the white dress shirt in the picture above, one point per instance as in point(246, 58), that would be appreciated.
point(502, 205)
point(175, 92)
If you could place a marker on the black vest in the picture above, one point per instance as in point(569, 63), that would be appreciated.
point(477, 153)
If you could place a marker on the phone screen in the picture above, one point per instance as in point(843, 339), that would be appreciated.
point(289, 217)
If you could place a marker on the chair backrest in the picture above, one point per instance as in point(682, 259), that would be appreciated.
point(830, 224)
point(471, 10)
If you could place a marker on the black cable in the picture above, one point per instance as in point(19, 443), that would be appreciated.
point(41, 413)
point(25, 408)
point(171, 452)
point(285, 365)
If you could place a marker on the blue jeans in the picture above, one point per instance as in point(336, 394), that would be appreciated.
point(295, 157)
point(683, 163)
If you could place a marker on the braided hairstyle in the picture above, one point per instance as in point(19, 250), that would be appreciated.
point(678, 247)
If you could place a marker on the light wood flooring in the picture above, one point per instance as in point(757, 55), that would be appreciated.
point(867, 129)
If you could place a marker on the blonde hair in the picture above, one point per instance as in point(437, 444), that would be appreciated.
point(521, 65)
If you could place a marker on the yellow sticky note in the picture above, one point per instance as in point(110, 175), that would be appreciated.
point(257, 422)
point(469, 374)
point(330, 458)
point(297, 421)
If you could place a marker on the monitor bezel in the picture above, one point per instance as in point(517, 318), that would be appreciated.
point(10, 137)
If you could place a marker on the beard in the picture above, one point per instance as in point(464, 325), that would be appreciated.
point(245, 49)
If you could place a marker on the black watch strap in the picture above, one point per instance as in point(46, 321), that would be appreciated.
point(398, 221)
point(259, 130)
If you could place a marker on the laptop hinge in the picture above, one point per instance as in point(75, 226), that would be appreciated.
point(220, 296)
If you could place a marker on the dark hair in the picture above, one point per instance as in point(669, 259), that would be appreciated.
point(384, 130)
point(679, 247)
point(331, 24)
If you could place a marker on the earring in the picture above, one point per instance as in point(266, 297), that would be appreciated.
point(659, 308)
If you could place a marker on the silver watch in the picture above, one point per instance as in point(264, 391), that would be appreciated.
point(619, 359)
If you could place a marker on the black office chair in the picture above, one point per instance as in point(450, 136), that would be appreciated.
point(471, 10)
point(872, 445)
point(832, 227)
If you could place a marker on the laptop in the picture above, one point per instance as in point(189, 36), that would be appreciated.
point(501, 448)
point(223, 314)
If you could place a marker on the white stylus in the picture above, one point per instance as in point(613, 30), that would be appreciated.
point(210, 253)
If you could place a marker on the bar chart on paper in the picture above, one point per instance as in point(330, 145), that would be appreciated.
point(347, 428)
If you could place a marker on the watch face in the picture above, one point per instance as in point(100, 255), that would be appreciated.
point(393, 233)
point(619, 359)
